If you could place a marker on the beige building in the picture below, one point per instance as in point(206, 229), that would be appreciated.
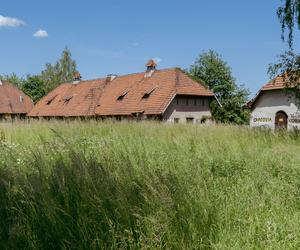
point(275, 108)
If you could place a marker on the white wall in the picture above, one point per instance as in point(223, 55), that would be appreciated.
point(183, 107)
point(268, 104)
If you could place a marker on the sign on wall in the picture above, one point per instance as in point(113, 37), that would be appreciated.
point(294, 118)
point(262, 120)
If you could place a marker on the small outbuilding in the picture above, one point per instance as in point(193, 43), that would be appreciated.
point(274, 107)
point(13, 102)
point(167, 95)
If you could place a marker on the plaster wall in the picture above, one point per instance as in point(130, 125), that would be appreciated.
point(268, 104)
point(193, 109)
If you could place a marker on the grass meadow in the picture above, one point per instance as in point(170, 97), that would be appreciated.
point(89, 185)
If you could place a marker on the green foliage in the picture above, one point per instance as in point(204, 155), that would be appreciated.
point(40, 85)
point(147, 186)
point(216, 74)
point(34, 87)
point(289, 16)
point(14, 79)
point(288, 66)
point(60, 72)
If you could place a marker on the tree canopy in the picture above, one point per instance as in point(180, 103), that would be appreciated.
point(211, 69)
point(53, 74)
point(289, 16)
point(288, 64)
point(59, 72)
point(34, 87)
point(14, 79)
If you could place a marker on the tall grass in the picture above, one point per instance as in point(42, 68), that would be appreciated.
point(147, 186)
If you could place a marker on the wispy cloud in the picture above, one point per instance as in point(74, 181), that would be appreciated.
point(10, 22)
point(41, 34)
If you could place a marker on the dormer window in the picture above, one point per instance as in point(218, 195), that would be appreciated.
point(21, 98)
point(121, 97)
point(148, 93)
point(67, 99)
point(50, 100)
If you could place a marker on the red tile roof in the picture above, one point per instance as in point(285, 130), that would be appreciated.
point(278, 83)
point(124, 95)
point(13, 100)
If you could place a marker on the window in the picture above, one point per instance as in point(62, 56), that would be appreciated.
point(190, 119)
point(195, 101)
point(203, 102)
point(121, 97)
point(177, 100)
point(187, 101)
point(21, 98)
point(176, 120)
point(148, 93)
point(67, 99)
point(50, 100)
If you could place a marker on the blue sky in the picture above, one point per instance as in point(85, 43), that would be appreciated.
point(119, 36)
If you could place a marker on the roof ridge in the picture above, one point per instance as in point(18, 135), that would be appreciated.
point(120, 76)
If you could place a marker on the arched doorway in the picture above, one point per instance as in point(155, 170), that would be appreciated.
point(281, 120)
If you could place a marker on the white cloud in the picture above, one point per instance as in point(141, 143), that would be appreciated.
point(41, 34)
point(10, 22)
point(157, 60)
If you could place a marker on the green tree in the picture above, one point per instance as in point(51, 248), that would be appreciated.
point(34, 87)
point(289, 16)
point(288, 64)
point(214, 71)
point(60, 72)
point(14, 79)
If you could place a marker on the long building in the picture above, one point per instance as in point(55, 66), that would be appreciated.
point(168, 95)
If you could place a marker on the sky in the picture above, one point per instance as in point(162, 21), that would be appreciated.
point(118, 37)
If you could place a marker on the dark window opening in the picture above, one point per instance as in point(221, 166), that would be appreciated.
point(121, 97)
point(177, 100)
point(67, 99)
point(148, 93)
point(190, 119)
point(187, 101)
point(50, 100)
point(176, 120)
point(195, 101)
point(203, 102)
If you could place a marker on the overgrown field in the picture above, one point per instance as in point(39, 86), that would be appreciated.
point(147, 186)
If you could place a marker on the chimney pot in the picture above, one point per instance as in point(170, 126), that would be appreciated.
point(76, 78)
point(151, 65)
point(111, 77)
